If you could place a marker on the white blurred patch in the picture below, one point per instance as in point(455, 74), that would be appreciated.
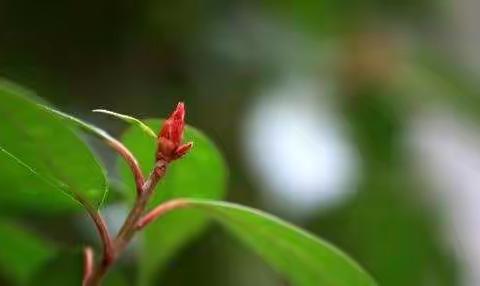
point(295, 146)
point(448, 155)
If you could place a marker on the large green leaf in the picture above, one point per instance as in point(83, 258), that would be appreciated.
point(21, 253)
point(303, 259)
point(200, 174)
point(39, 155)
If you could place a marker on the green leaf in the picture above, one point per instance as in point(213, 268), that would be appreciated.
point(40, 155)
point(73, 121)
point(129, 119)
point(21, 254)
point(300, 257)
point(200, 174)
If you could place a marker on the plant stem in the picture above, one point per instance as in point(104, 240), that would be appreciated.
point(159, 211)
point(108, 249)
point(88, 265)
point(130, 160)
point(129, 227)
point(109, 252)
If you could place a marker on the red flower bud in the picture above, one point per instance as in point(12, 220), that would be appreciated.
point(170, 138)
point(183, 149)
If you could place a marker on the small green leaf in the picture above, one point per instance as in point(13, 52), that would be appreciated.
point(21, 253)
point(131, 120)
point(200, 174)
point(302, 258)
point(41, 154)
point(89, 128)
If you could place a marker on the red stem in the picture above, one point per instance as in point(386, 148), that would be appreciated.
point(128, 230)
point(101, 225)
point(129, 227)
point(130, 160)
point(132, 224)
point(88, 265)
point(160, 210)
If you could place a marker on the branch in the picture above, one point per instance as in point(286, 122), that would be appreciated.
point(87, 265)
point(129, 227)
point(130, 160)
point(100, 224)
point(169, 148)
point(160, 210)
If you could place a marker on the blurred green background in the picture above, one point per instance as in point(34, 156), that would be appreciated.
point(357, 120)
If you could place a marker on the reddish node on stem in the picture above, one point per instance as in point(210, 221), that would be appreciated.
point(170, 145)
point(87, 265)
